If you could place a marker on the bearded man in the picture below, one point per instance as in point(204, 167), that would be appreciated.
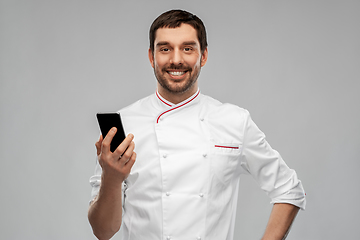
point(182, 182)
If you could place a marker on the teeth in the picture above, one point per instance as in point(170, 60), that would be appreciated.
point(177, 73)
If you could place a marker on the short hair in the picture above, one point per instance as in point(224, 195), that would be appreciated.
point(173, 19)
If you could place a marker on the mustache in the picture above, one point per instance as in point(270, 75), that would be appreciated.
point(177, 67)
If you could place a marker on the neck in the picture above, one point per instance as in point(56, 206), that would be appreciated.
point(176, 98)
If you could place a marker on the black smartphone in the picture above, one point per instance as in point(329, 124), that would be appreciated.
point(106, 122)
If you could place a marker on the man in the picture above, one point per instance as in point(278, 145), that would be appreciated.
point(191, 150)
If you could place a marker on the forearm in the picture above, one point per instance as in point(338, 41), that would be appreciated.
point(281, 218)
point(105, 212)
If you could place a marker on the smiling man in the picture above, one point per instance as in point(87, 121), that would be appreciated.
point(177, 58)
point(182, 182)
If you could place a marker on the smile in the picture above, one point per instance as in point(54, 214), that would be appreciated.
point(176, 73)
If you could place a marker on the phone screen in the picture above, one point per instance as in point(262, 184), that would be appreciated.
point(106, 122)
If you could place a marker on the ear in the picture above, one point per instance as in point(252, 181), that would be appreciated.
point(204, 57)
point(151, 57)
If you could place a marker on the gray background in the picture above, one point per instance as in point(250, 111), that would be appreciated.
point(293, 64)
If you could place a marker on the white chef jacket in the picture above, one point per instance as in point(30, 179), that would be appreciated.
point(184, 183)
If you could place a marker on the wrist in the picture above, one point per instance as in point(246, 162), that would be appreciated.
point(111, 182)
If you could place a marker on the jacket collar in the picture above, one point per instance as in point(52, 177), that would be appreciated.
point(169, 107)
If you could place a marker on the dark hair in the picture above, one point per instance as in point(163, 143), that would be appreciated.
point(173, 19)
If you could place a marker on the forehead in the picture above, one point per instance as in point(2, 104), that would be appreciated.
point(179, 35)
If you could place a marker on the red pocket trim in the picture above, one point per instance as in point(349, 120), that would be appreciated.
point(221, 146)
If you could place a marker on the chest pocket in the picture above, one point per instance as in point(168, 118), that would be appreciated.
point(225, 160)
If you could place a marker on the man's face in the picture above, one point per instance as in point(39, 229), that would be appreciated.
point(177, 59)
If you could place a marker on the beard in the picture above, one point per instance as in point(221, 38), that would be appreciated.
point(177, 86)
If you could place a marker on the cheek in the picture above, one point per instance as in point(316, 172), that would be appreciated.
point(193, 61)
point(160, 61)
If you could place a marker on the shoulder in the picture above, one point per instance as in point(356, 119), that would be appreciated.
point(217, 109)
point(137, 107)
point(225, 120)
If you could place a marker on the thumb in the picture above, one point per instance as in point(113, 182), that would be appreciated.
point(98, 145)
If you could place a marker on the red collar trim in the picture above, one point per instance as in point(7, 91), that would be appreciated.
point(161, 99)
point(176, 107)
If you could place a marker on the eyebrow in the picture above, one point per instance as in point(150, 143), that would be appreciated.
point(191, 43)
point(164, 43)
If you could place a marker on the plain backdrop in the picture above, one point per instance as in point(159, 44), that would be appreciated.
point(295, 65)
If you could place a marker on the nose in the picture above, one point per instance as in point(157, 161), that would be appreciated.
point(176, 57)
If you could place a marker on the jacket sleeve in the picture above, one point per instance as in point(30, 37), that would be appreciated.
point(269, 169)
point(95, 181)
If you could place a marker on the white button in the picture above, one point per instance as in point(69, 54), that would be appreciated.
point(168, 237)
point(198, 238)
point(165, 155)
point(202, 119)
point(201, 194)
point(167, 194)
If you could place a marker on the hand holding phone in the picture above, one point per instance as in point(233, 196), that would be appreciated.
point(106, 122)
point(116, 161)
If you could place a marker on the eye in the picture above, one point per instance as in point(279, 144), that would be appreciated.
point(187, 49)
point(164, 50)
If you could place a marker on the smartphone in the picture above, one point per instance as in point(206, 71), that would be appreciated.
point(106, 122)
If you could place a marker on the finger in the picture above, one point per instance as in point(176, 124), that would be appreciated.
point(131, 161)
point(98, 145)
point(105, 146)
point(120, 150)
point(127, 154)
